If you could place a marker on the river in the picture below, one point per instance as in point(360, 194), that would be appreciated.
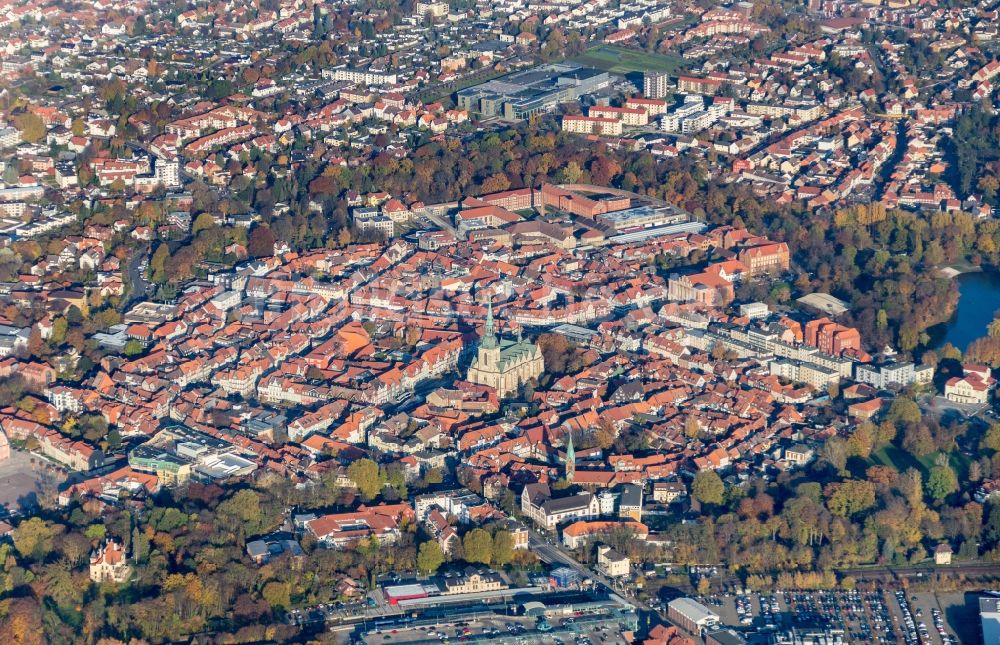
point(978, 299)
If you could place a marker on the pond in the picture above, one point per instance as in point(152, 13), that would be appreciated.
point(978, 299)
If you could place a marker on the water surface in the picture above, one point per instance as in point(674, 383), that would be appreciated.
point(978, 300)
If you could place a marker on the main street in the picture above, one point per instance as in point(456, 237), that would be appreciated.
point(552, 553)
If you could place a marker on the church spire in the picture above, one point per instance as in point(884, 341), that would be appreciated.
point(570, 459)
point(489, 340)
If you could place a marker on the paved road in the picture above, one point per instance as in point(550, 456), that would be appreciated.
point(137, 286)
point(556, 554)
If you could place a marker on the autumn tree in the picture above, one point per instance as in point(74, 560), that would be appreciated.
point(558, 353)
point(33, 538)
point(571, 173)
point(941, 482)
point(430, 557)
point(554, 45)
point(904, 411)
point(21, 621)
point(918, 441)
point(991, 528)
point(59, 327)
point(478, 546)
point(910, 484)
point(495, 183)
point(201, 223)
point(708, 487)
point(365, 475)
point(31, 126)
point(132, 348)
point(158, 264)
point(324, 185)
point(834, 452)
point(985, 350)
point(503, 547)
point(991, 439)
point(862, 440)
point(604, 434)
point(850, 497)
point(277, 594)
point(243, 509)
point(603, 169)
point(261, 242)
point(251, 75)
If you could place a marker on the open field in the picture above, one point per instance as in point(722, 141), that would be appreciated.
point(622, 60)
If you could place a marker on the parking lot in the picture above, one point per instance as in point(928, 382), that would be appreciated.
point(880, 617)
point(938, 406)
point(333, 611)
point(945, 617)
point(21, 480)
point(917, 625)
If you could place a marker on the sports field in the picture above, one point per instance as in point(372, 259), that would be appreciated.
point(622, 60)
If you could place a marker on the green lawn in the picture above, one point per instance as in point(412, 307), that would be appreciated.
point(902, 461)
point(958, 462)
point(898, 459)
point(622, 60)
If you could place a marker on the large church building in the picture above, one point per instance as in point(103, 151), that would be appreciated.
point(504, 364)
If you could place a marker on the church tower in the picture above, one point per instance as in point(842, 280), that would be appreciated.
point(570, 459)
point(489, 346)
point(502, 363)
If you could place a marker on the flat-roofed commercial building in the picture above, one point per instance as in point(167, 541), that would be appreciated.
point(534, 91)
point(692, 616)
point(642, 217)
point(989, 616)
